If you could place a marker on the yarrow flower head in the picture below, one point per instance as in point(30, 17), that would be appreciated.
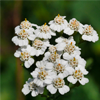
point(55, 64)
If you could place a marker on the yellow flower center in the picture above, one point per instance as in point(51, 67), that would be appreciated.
point(42, 75)
point(23, 34)
point(58, 83)
point(25, 24)
point(73, 62)
point(59, 19)
point(37, 44)
point(88, 30)
point(74, 24)
point(25, 56)
point(78, 74)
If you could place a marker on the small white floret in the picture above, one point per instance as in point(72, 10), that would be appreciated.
point(58, 24)
point(72, 26)
point(44, 32)
point(89, 34)
point(30, 86)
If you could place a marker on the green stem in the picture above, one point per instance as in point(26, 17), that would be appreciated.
point(80, 41)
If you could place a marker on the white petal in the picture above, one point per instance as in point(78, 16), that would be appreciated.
point(33, 51)
point(70, 32)
point(81, 61)
point(50, 22)
point(67, 56)
point(29, 62)
point(83, 81)
point(17, 29)
point(39, 82)
point(34, 74)
point(49, 65)
point(66, 31)
point(58, 28)
point(63, 62)
point(53, 27)
point(47, 54)
point(65, 74)
point(95, 36)
point(60, 39)
point(17, 53)
point(38, 64)
point(46, 42)
point(84, 71)
point(61, 46)
point(60, 75)
point(48, 80)
point(85, 37)
point(34, 93)
point(15, 40)
point(52, 33)
point(51, 89)
point(70, 70)
point(31, 29)
point(71, 79)
point(25, 90)
point(23, 42)
point(64, 89)
point(81, 29)
point(31, 37)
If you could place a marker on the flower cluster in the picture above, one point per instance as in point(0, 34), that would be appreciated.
point(61, 62)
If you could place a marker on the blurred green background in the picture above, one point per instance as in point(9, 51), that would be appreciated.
point(13, 75)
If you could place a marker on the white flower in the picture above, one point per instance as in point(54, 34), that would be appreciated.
point(41, 73)
point(26, 25)
point(62, 42)
point(23, 35)
point(74, 61)
point(72, 26)
point(25, 54)
point(89, 34)
point(58, 24)
point(57, 83)
point(30, 86)
point(44, 32)
point(61, 67)
point(51, 57)
point(78, 75)
point(71, 50)
point(39, 46)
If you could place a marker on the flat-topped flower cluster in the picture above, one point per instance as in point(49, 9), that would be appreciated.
point(60, 62)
